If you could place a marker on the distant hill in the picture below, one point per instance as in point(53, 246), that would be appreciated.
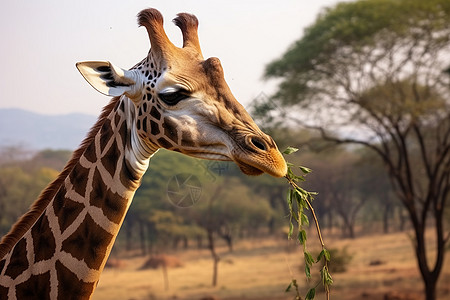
point(37, 131)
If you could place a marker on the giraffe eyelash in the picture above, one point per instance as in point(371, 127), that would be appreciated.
point(171, 96)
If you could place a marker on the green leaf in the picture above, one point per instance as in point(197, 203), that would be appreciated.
point(291, 175)
point(302, 192)
point(307, 271)
point(311, 294)
point(304, 219)
point(309, 260)
point(300, 195)
point(289, 201)
point(305, 170)
point(291, 230)
point(327, 280)
point(324, 253)
point(327, 254)
point(319, 257)
point(289, 287)
point(290, 150)
point(302, 237)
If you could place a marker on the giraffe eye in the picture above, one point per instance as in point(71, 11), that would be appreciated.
point(172, 97)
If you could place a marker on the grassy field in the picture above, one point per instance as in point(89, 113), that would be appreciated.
point(382, 267)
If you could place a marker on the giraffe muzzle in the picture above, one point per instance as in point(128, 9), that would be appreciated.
point(261, 156)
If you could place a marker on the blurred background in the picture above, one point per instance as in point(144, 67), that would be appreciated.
point(361, 88)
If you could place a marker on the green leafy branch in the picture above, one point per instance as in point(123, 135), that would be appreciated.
point(302, 199)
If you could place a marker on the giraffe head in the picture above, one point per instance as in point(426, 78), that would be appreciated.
point(182, 102)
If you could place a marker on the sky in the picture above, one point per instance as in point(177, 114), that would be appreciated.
point(42, 40)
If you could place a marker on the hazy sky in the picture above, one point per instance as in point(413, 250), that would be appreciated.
point(42, 40)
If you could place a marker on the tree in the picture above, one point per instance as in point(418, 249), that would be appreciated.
point(372, 73)
point(346, 184)
point(224, 214)
point(18, 189)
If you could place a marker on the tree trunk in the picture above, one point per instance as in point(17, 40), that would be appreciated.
point(348, 226)
point(215, 257)
point(386, 215)
point(430, 289)
point(142, 238)
point(166, 277)
point(330, 221)
point(271, 225)
point(351, 230)
point(199, 242)
point(225, 233)
point(429, 278)
point(128, 235)
point(430, 274)
point(402, 218)
point(176, 242)
point(151, 237)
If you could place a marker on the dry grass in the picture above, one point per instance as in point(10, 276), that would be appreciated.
point(261, 269)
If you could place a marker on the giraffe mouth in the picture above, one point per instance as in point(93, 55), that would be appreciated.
point(248, 169)
point(271, 162)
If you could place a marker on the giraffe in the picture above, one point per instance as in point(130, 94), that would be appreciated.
point(172, 99)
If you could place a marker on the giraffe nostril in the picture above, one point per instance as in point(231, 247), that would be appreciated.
point(258, 143)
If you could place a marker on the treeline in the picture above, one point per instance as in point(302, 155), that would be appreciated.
point(185, 202)
point(23, 175)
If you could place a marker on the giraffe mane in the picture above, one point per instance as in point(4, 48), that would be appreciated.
point(38, 207)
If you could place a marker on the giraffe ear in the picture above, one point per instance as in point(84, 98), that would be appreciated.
point(107, 78)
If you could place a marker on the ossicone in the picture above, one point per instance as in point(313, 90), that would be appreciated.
point(148, 17)
point(189, 28)
point(153, 21)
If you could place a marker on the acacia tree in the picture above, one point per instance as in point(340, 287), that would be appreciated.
point(374, 73)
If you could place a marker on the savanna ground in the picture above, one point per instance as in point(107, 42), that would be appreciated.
point(382, 267)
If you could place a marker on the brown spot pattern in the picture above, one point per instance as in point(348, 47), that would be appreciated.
point(19, 262)
point(170, 130)
point(122, 106)
point(59, 199)
point(2, 265)
point(90, 153)
point(79, 178)
point(69, 286)
point(3, 292)
point(154, 128)
point(112, 205)
point(109, 160)
point(88, 243)
point(164, 143)
point(117, 119)
point(123, 132)
point(66, 210)
point(106, 134)
point(155, 113)
point(43, 240)
point(144, 124)
point(37, 287)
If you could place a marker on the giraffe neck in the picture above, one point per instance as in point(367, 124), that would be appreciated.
point(64, 252)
